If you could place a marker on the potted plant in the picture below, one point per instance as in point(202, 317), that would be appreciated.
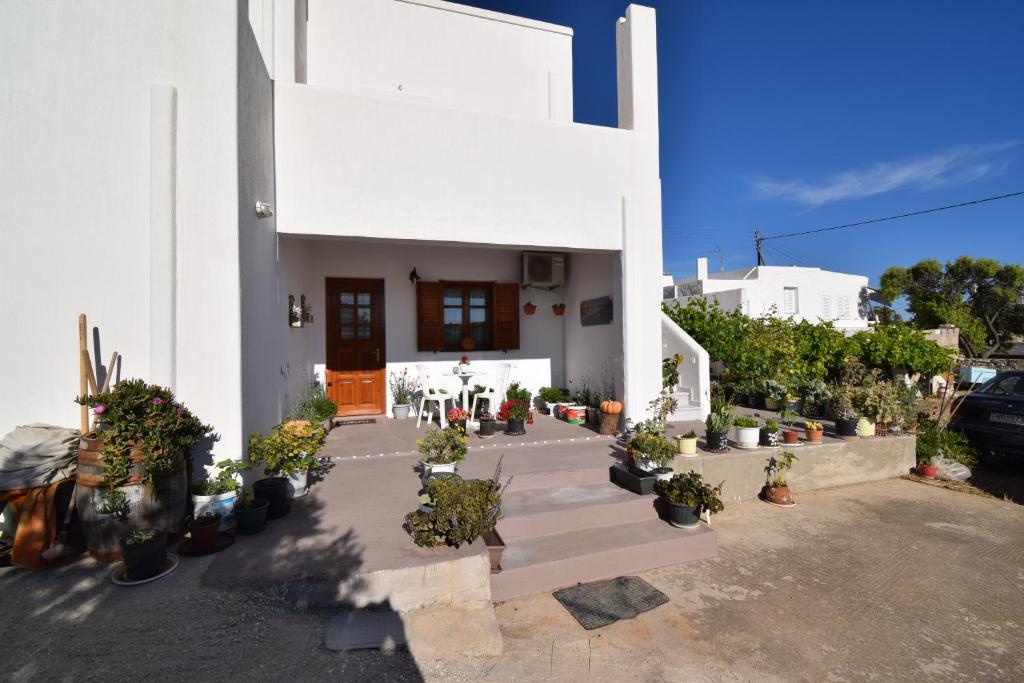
point(463, 367)
point(443, 449)
point(459, 511)
point(548, 397)
point(816, 396)
point(250, 513)
point(845, 411)
point(204, 531)
point(935, 442)
point(716, 429)
point(402, 388)
point(316, 406)
point(747, 432)
point(610, 412)
point(218, 493)
point(529, 308)
point(457, 417)
point(774, 394)
point(488, 425)
point(652, 453)
point(514, 413)
point(290, 452)
point(769, 433)
point(813, 431)
point(687, 496)
point(274, 490)
point(144, 552)
point(883, 405)
point(687, 443)
point(789, 436)
point(776, 491)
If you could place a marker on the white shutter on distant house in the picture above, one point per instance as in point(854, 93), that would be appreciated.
point(789, 300)
point(826, 306)
point(843, 307)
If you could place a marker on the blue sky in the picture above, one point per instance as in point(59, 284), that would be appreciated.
point(787, 116)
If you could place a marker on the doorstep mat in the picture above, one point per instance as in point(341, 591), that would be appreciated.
point(600, 603)
point(346, 423)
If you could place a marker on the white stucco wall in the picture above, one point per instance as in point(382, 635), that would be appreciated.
point(441, 53)
point(349, 165)
point(75, 134)
point(593, 354)
point(755, 291)
point(543, 354)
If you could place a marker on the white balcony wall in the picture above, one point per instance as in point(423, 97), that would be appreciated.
point(349, 165)
point(441, 53)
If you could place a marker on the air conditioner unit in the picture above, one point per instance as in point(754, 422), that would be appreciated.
point(543, 269)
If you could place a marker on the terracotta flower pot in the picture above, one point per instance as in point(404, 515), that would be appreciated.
point(529, 308)
point(928, 471)
point(813, 435)
point(779, 495)
point(558, 309)
point(204, 536)
point(790, 437)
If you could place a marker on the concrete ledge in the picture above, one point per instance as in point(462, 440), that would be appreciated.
point(819, 466)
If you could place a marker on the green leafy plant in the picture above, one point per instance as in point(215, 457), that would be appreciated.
point(771, 425)
point(457, 511)
point(206, 519)
point(517, 393)
point(777, 467)
point(788, 415)
point(746, 422)
point(142, 536)
point(718, 422)
point(653, 447)
point(670, 371)
point(246, 500)
point(146, 417)
point(882, 402)
point(115, 502)
point(691, 490)
point(690, 435)
point(554, 395)
point(934, 440)
point(815, 392)
point(315, 405)
point(844, 401)
point(774, 390)
point(290, 448)
point(224, 481)
point(443, 446)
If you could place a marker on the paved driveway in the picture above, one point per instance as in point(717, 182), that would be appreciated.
point(894, 580)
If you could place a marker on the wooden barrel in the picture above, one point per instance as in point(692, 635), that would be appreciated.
point(162, 504)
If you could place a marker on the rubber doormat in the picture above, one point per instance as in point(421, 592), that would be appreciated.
point(600, 603)
point(346, 423)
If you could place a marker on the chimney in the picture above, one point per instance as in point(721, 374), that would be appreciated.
point(702, 268)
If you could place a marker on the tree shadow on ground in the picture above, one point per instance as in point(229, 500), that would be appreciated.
point(1002, 479)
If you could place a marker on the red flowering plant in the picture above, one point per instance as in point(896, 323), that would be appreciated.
point(464, 360)
point(457, 415)
point(515, 409)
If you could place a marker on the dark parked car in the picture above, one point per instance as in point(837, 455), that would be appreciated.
point(993, 416)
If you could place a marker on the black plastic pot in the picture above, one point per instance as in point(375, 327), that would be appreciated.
point(769, 437)
point(717, 441)
point(144, 560)
point(846, 429)
point(274, 490)
point(640, 485)
point(516, 426)
point(488, 427)
point(683, 515)
point(253, 519)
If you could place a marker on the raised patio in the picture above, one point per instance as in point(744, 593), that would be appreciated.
point(564, 522)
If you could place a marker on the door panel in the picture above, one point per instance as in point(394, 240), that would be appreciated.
point(355, 345)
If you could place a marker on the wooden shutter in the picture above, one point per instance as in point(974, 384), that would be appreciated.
point(429, 316)
point(506, 316)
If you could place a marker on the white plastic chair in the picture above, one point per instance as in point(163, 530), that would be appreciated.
point(432, 392)
point(494, 391)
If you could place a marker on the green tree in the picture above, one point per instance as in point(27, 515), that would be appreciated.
point(980, 296)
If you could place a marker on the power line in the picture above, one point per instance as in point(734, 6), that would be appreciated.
point(891, 218)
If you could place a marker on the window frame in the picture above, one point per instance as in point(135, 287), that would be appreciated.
point(796, 300)
point(466, 286)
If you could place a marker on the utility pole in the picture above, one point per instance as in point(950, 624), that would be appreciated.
point(757, 247)
point(721, 258)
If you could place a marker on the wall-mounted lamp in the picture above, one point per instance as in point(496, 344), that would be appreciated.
point(307, 310)
point(294, 312)
point(264, 209)
point(414, 276)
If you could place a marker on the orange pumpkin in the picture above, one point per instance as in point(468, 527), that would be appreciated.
point(611, 407)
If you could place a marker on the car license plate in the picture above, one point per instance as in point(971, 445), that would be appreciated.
point(1006, 419)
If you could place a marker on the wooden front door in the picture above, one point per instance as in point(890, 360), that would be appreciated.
point(355, 345)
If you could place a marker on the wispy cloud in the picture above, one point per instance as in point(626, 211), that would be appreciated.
point(949, 167)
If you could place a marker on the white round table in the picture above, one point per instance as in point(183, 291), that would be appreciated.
point(465, 377)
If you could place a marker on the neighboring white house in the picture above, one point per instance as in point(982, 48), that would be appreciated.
point(810, 294)
point(389, 137)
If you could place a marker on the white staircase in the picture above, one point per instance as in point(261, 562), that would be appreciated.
point(693, 392)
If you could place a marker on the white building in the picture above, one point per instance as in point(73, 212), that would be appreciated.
point(387, 136)
point(810, 294)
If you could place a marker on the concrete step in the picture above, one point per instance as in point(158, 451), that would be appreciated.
point(548, 511)
point(547, 563)
point(689, 410)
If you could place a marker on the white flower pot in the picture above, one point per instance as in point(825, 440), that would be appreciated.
point(748, 437)
point(297, 484)
point(463, 368)
point(443, 467)
point(400, 411)
point(223, 503)
point(665, 476)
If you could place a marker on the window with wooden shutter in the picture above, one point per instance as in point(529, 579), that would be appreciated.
point(506, 316)
point(429, 316)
